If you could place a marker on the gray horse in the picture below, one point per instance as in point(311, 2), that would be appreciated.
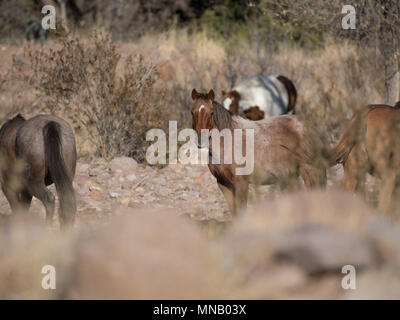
point(45, 146)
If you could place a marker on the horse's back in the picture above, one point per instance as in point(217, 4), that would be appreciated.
point(268, 93)
point(278, 144)
point(285, 124)
point(383, 120)
point(382, 132)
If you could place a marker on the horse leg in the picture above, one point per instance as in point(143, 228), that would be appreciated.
point(229, 197)
point(40, 191)
point(289, 184)
point(396, 195)
point(26, 199)
point(241, 192)
point(13, 199)
point(385, 194)
point(355, 169)
point(313, 177)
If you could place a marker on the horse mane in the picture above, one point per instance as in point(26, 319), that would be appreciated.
point(222, 117)
point(17, 118)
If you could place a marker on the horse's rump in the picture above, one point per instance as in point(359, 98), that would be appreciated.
point(353, 134)
point(356, 132)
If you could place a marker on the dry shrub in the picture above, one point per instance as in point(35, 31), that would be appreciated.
point(79, 80)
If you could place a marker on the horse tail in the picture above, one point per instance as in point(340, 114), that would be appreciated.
point(349, 138)
point(55, 163)
point(292, 92)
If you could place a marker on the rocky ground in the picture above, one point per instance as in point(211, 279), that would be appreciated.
point(102, 188)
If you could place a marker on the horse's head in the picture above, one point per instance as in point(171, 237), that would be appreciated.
point(254, 113)
point(202, 111)
point(231, 100)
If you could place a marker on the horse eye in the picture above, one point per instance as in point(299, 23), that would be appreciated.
point(191, 112)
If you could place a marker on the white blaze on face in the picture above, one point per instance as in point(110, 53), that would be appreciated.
point(201, 107)
point(227, 103)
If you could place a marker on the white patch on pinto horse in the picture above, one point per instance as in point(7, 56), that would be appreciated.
point(227, 103)
point(268, 93)
point(201, 107)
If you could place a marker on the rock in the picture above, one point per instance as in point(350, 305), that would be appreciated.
point(115, 194)
point(124, 201)
point(93, 172)
point(164, 192)
point(386, 237)
point(176, 166)
point(82, 167)
point(125, 164)
point(377, 284)
point(96, 195)
point(134, 204)
point(318, 249)
point(124, 254)
point(139, 190)
point(82, 191)
point(275, 283)
point(94, 187)
point(131, 177)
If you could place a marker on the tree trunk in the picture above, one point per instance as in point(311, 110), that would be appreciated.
point(63, 15)
point(390, 54)
point(391, 81)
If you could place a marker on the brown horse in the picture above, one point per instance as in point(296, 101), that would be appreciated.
point(45, 145)
point(371, 144)
point(283, 150)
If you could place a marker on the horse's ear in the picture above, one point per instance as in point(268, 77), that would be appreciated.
point(211, 95)
point(236, 94)
point(195, 94)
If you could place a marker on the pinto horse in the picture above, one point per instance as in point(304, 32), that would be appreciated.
point(283, 150)
point(371, 145)
point(260, 97)
point(45, 145)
